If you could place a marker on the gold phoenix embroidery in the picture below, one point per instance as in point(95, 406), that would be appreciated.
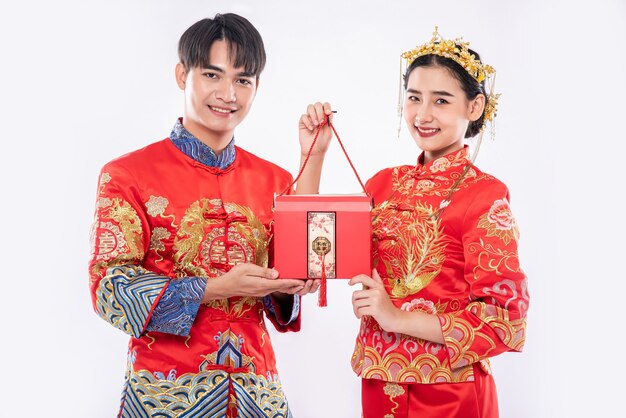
point(412, 243)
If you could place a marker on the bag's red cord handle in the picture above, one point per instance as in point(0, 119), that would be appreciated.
point(325, 122)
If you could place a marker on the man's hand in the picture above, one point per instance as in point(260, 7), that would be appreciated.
point(310, 286)
point(249, 280)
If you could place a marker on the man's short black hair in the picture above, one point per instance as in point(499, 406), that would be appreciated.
point(244, 43)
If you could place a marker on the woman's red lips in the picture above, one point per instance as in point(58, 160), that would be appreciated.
point(425, 132)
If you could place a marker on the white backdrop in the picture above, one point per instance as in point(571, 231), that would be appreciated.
point(82, 82)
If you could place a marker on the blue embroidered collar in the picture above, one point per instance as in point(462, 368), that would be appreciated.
point(199, 151)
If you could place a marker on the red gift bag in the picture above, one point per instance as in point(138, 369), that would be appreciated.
point(323, 236)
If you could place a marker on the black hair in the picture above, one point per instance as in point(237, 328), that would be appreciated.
point(244, 43)
point(470, 86)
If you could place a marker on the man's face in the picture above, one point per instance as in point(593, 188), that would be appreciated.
point(217, 98)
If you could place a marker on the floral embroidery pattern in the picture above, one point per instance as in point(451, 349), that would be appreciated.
point(440, 164)
point(499, 222)
point(156, 205)
point(435, 180)
point(420, 304)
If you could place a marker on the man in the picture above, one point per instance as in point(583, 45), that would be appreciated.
point(181, 244)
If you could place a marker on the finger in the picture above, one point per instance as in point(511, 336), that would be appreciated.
point(310, 110)
point(362, 294)
point(292, 290)
point(376, 276)
point(364, 310)
point(306, 121)
point(258, 271)
point(316, 285)
point(361, 303)
point(358, 305)
point(327, 109)
point(371, 283)
point(355, 280)
point(364, 280)
point(286, 286)
point(307, 288)
point(285, 290)
point(319, 111)
point(285, 283)
point(304, 289)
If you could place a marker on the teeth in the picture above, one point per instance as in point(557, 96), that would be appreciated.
point(217, 109)
point(428, 131)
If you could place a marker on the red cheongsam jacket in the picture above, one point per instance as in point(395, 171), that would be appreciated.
point(162, 215)
point(451, 256)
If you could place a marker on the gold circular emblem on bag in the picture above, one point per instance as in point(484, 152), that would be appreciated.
point(321, 245)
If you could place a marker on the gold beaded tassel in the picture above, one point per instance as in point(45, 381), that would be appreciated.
point(400, 97)
point(492, 101)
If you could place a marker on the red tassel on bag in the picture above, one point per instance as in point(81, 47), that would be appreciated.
point(321, 300)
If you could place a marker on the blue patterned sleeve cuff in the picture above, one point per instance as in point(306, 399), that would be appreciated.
point(272, 305)
point(178, 307)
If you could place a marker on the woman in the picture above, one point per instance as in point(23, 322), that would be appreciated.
point(447, 291)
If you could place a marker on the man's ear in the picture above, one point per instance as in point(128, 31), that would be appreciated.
point(180, 73)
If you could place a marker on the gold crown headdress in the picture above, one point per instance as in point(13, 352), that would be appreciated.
point(458, 51)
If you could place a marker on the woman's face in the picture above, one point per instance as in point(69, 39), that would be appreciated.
point(437, 111)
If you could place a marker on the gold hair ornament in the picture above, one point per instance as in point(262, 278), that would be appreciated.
point(458, 51)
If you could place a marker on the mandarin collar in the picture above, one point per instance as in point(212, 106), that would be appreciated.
point(191, 146)
point(454, 161)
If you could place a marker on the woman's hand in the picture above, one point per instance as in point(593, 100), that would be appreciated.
point(307, 126)
point(374, 301)
point(309, 181)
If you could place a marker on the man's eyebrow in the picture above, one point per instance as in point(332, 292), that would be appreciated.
point(221, 71)
point(213, 68)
